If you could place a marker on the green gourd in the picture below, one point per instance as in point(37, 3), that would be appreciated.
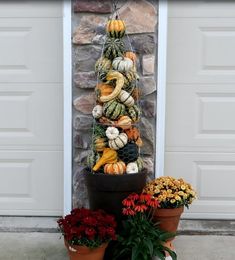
point(134, 113)
point(113, 109)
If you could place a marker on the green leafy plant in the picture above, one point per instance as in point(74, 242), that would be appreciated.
point(140, 238)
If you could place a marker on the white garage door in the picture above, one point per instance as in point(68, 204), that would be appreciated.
point(200, 108)
point(31, 108)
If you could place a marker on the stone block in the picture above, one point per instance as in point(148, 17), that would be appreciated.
point(92, 6)
point(147, 85)
point(82, 140)
point(148, 62)
point(148, 108)
point(82, 122)
point(85, 103)
point(85, 79)
point(139, 16)
point(142, 43)
point(87, 29)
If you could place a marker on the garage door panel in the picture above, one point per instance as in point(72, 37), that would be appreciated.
point(28, 8)
point(30, 115)
point(207, 122)
point(24, 176)
point(28, 52)
point(207, 45)
point(201, 8)
point(209, 173)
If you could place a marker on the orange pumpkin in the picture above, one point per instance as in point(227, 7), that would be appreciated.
point(133, 134)
point(115, 168)
point(131, 55)
point(123, 122)
point(103, 90)
point(100, 144)
point(115, 28)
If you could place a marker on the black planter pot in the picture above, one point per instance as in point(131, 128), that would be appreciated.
point(107, 191)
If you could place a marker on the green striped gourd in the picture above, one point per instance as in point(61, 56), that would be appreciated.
point(113, 109)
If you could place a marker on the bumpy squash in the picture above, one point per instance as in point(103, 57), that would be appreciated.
point(115, 28)
point(130, 79)
point(117, 168)
point(113, 48)
point(134, 113)
point(122, 64)
point(100, 144)
point(129, 153)
point(118, 142)
point(131, 55)
point(113, 109)
point(123, 122)
point(109, 156)
point(134, 135)
point(114, 75)
point(132, 167)
point(97, 111)
point(102, 66)
point(92, 158)
point(126, 98)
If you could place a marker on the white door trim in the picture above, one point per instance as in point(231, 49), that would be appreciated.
point(161, 87)
point(67, 71)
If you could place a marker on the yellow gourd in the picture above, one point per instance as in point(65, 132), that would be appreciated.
point(109, 156)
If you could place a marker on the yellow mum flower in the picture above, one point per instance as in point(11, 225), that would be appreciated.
point(182, 187)
point(177, 197)
point(172, 201)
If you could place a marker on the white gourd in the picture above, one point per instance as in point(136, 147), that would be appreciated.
point(112, 132)
point(126, 98)
point(97, 111)
point(132, 167)
point(122, 64)
point(119, 142)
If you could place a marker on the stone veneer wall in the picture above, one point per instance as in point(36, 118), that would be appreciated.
point(89, 18)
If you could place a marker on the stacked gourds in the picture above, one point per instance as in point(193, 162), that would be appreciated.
point(116, 138)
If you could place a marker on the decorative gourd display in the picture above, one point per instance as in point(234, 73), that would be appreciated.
point(114, 75)
point(122, 64)
point(126, 98)
point(100, 144)
point(113, 48)
point(97, 111)
point(134, 113)
point(132, 167)
point(129, 153)
point(113, 109)
point(131, 55)
point(109, 156)
point(115, 168)
point(124, 122)
point(112, 132)
point(116, 137)
point(103, 89)
point(118, 142)
point(115, 28)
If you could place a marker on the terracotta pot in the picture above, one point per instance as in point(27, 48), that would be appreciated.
point(168, 219)
point(85, 253)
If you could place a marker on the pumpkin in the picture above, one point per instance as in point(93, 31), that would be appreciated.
point(123, 122)
point(114, 75)
point(102, 66)
point(140, 163)
point(113, 109)
point(112, 132)
point(122, 64)
point(132, 167)
point(134, 135)
point(119, 142)
point(109, 156)
point(100, 143)
point(126, 98)
point(129, 153)
point(131, 55)
point(115, 168)
point(92, 158)
point(103, 89)
point(113, 48)
point(105, 121)
point(130, 77)
point(115, 28)
point(97, 111)
point(134, 113)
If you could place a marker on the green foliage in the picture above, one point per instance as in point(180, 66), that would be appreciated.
point(141, 239)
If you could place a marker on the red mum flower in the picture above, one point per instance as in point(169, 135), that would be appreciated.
point(133, 196)
point(128, 212)
point(128, 202)
point(152, 202)
point(91, 221)
point(145, 197)
point(90, 232)
point(140, 208)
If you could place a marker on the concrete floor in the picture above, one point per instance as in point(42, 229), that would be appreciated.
point(49, 246)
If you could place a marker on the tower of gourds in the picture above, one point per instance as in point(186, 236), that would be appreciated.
point(116, 137)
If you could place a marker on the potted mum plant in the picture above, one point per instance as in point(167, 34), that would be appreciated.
point(140, 238)
point(173, 195)
point(87, 233)
point(115, 168)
